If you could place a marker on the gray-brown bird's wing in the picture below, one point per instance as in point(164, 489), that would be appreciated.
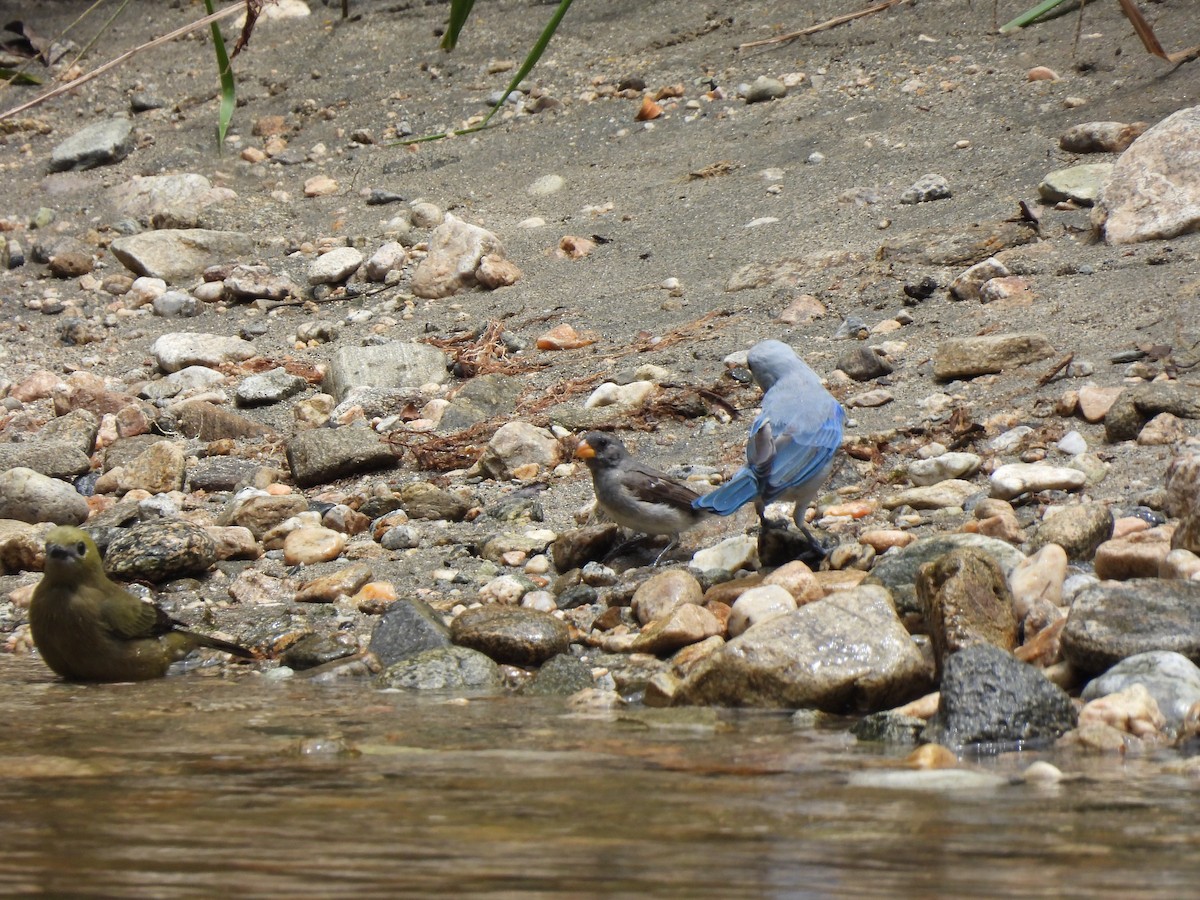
point(652, 486)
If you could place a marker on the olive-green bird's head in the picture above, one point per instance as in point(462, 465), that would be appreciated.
point(71, 554)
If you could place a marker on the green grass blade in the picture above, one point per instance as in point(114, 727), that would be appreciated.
point(228, 88)
point(15, 77)
point(1030, 15)
point(459, 11)
point(534, 55)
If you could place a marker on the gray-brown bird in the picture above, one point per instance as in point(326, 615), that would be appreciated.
point(88, 628)
point(635, 495)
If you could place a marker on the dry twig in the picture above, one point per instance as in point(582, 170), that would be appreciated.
point(823, 26)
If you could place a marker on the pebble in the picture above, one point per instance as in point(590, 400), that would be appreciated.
point(29, 496)
point(1078, 184)
point(760, 604)
point(971, 356)
point(948, 494)
point(307, 546)
point(335, 266)
point(176, 351)
point(929, 471)
point(765, 88)
point(925, 189)
point(730, 555)
point(100, 144)
point(659, 594)
point(512, 635)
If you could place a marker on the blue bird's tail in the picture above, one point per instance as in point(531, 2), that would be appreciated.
point(731, 496)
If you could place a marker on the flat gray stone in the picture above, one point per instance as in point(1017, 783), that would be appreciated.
point(97, 145)
point(408, 627)
point(398, 364)
point(327, 454)
point(1113, 620)
point(179, 254)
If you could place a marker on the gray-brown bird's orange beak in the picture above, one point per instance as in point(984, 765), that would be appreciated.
point(585, 451)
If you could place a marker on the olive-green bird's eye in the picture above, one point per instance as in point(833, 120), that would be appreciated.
point(81, 548)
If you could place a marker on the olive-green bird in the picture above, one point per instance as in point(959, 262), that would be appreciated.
point(89, 628)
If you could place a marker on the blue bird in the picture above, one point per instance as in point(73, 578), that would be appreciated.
point(789, 452)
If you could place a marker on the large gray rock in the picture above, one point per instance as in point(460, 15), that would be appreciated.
point(406, 628)
point(1171, 679)
point(179, 254)
point(97, 145)
point(443, 669)
point(1138, 404)
point(394, 365)
point(456, 250)
point(49, 458)
point(326, 454)
point(967, 357)
point(29, 496)
point(1154, 189)
point(845, 653)
point(989, 697)
point(1113, 620)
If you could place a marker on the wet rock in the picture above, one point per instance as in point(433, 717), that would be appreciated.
point(443, 669)
point(518, 444)
point(685, 624)
point(966, 601)
point(456, 250)
point(889, 727)
point(798, 580)
point(99, 144)
point(1138, 404)
point(513, 635)
point(1111, 621)
point(925, 189)
point(533, 541)
point(560, 676)
point(1154, 191)
point(1078, 528)
point(660, 594)
point(1100, 137)
point(165, 201)
point(330, 453)
point(394, 365)
point(208, 422)
point(898, 570)
point(422, 500)
point(847, 652)
point(314, 650)
point(273, 386)
point(407, 627)
point(1080, 184)
point(176, 255)
point(160, 551)
point(864, 363)
point(175, 351)
point(990, 698)
point(970, 356)
point(1014, 479)
point(1171, 679)
point(29, 496)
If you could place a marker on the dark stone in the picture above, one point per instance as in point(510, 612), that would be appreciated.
point(509, 634)
point(481, 398)
point(408, 627)
point(443, 669)
point(221, 473)
point(990, 700)
point(560, 675)
point(577, 595)
point(209, 422)
point(572, 549)
point(159, 551)
point(889, 727)
point(863, 363)
point(314, 650)
point(326, 454)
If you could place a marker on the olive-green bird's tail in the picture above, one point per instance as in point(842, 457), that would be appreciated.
point(204, 640)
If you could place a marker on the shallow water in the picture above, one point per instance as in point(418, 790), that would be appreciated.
point(196, 785)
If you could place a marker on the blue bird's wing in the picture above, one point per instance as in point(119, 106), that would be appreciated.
point(732, 495)
point(800, 453)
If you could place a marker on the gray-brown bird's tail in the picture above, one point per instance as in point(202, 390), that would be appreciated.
point(203, 640)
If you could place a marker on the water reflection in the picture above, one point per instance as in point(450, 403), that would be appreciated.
point(198, 785)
